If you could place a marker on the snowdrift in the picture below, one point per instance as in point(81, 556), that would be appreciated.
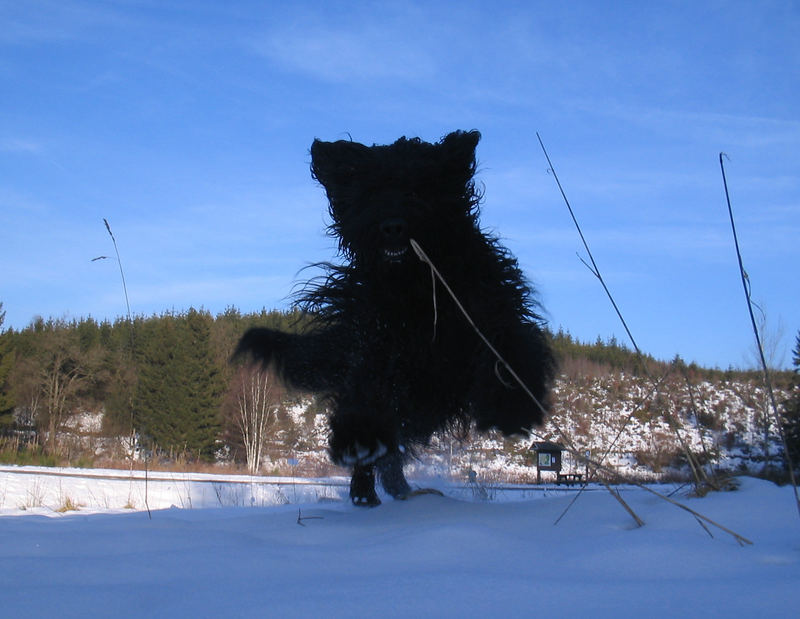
point(310, 554)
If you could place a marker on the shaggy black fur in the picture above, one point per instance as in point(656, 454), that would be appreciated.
point(397, 362)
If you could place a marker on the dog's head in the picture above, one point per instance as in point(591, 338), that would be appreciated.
point(381, 196)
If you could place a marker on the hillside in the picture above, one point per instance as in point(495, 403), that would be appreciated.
point(612, 415)
point(88, 393)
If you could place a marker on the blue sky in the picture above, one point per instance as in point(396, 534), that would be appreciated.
point(187, 125)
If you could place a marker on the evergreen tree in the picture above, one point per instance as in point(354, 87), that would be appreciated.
point(791, 417)
point(204, 377)
point(796, 354)
point(6, 364)
point(179, 389)
point(117, 341)
point(157, 379)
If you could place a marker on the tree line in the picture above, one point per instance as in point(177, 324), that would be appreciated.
point(165, 378)
point(168, 380)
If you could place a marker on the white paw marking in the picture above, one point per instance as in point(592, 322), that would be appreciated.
point(359, 454)
point(380, 450)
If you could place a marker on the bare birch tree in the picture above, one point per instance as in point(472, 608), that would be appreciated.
point(770, 336)
point(258, 398)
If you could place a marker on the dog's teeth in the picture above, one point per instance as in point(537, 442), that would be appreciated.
point(395, 253)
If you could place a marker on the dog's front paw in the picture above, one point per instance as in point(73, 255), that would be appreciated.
point(362, 487)
point(261, 345)
point(359, 440)
point(357, 453)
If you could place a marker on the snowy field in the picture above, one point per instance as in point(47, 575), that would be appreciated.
point(221, 546)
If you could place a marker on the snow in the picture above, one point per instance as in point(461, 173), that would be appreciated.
point(232, 546)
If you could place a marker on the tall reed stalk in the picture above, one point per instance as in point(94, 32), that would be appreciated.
point(131, 351)
point(746, 285)
point(697, 471)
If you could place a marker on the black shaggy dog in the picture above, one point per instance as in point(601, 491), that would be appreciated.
point(388, 346)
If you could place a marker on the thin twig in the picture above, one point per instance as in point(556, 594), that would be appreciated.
point(767, 379)
point(424, 257)
point(130, 333)
point(593, 268)
point(301, 518)
point(703, 524)
point(571, 503)
point(698, 516)
point(605, 454)
point(122, 275)
point(690, 388)
point(618, 496)
point(568, 443)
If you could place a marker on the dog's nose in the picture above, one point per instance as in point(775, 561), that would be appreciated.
point(393, 229)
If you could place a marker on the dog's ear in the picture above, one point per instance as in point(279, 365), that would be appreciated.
point(458, 152)
point(334, 164)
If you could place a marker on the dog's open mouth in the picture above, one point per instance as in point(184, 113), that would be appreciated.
point(394, 254)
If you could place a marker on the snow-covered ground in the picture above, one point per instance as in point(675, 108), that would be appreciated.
point(218, 546)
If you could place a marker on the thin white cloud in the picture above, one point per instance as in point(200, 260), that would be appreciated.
point(341, 56)
point(43, 21)
point(19, 145)
point(15, 201)
point(748, 131)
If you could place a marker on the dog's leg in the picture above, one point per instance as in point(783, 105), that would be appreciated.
point(499, 400)
point(390, 473)
point(311, 362)
point(362, 486)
